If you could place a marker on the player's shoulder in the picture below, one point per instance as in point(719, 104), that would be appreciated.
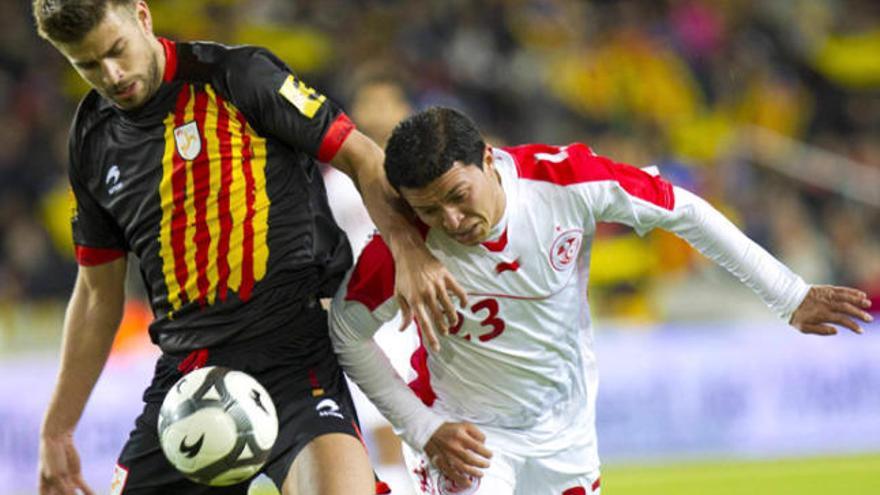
point(206, 61)
point(92, 110)
point(566, 165)
point(372, 277)
point(371, 281)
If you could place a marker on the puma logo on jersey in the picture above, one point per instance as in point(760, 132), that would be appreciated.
point(112, 180)
point(505, 266)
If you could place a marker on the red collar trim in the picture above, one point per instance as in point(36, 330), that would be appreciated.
point(170, 59)
point(498, 245)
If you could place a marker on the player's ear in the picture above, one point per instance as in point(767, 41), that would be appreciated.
point(144, 18)
point(488, 158)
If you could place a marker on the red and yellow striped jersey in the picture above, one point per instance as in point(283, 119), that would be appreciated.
point(213, 185)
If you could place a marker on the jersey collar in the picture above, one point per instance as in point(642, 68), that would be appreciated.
point(498, 235)
point(170, 59)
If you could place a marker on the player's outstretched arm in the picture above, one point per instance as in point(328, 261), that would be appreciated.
point(90, 324)
point(352, 326)
point(827, 305)
point(422, 283)
point(459, 451)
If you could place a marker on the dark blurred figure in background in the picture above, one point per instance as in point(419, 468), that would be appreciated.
point(771, 110)
point(679, 83)
point(803, 71)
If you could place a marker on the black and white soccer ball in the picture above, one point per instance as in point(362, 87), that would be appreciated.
point(217, 426)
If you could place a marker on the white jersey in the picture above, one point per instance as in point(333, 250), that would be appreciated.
point(523, 360)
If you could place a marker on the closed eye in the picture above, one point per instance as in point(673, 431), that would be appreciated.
point(87, 65)
point(428, 210)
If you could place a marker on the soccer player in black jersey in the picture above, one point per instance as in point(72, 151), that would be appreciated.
point(200, 159)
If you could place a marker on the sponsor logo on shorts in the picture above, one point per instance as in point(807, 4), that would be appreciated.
point(120, 475)
point(450, 487)
point(328, 407)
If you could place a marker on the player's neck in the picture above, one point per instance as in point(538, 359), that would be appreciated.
point(159, 51)
point(499, 220)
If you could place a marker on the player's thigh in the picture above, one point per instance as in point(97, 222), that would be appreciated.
point(317, 419)
point(332, 464)
point(142, 468)
point(498, 479)
point(538, 478)
point(582, 484)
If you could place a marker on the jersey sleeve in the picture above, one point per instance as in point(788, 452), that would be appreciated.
point(97, 238)
point(645, 201)
point(278, 103)
point(362, 304)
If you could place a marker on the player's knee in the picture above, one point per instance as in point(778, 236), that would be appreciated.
point(332, 464)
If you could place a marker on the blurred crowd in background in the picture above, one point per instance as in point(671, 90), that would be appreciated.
point(769, 110)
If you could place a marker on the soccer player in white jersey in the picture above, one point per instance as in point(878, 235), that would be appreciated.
point(506, 404)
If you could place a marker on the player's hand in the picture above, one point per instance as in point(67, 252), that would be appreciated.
point(458, 451)
point(423, 286)
point(826, 305)
point(59, 467)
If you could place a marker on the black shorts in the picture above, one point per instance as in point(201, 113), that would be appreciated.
point(299, 369)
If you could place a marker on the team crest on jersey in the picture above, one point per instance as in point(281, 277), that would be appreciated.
point(565, 249)
point(189, 144)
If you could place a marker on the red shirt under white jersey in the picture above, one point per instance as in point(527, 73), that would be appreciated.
point(523, 360)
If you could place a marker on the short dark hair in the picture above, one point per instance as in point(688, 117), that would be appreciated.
point(68, 21)
point(425, 146)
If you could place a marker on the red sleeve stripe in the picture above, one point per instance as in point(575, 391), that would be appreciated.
point(372, 282)
point(334, 137)
point(577, 164)
point(170, 59)
point(89, 256)
point(421, 385)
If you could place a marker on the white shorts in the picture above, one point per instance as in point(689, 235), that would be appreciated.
point(508, 474)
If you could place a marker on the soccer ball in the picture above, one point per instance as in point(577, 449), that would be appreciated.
point(217, 426)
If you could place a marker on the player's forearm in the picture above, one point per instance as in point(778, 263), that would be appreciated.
point(352, 327)
point(718, 239)
point(386, 208)
point(89, 327)
point(366, 364)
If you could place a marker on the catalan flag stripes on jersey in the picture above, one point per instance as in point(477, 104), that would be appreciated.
point(214, 186)
point(212, 203)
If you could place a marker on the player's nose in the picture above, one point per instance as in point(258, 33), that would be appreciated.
point(111, 72)
point(452, 218)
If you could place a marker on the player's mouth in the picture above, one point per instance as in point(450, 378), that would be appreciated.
point(468, 236)
point(126, 92)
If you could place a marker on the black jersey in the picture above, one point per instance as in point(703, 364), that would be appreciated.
point(213, 185)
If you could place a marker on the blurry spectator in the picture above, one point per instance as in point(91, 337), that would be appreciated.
point(667, 83)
